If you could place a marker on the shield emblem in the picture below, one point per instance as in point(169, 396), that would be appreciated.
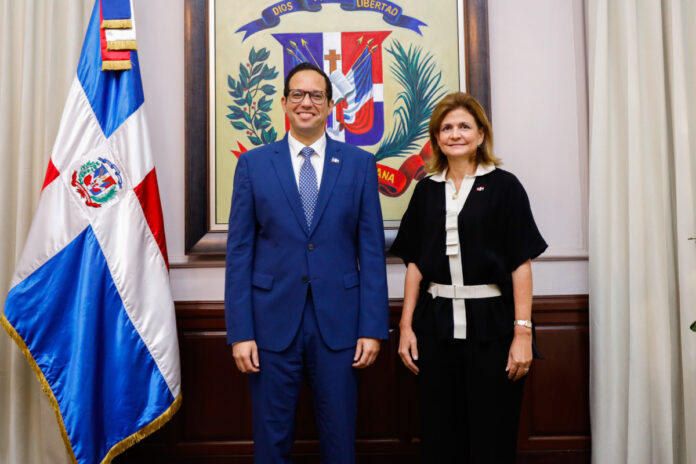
point(353, 61)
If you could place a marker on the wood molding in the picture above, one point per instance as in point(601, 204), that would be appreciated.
point(540, 303)
point(196, 123)
point(478, 72)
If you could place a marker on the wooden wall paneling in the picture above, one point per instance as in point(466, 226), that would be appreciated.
point(555, 421)
point(214, 423)
point(216, 392)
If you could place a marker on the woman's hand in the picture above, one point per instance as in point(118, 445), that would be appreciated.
point(408, 348)
point(520, 356)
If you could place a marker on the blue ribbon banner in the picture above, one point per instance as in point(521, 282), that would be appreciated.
point(392, 13)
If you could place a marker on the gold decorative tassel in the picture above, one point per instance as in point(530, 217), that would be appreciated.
point(117, 24)
point(122, 45)
point(116, 65)
point(119, 447)
point(44, 383)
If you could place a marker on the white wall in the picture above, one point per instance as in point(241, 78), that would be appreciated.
point(539, 106)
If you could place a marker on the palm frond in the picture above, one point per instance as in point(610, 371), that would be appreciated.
point(416, 73)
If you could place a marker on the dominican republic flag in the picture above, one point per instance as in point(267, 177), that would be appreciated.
point(353, 61)
point(90, 303)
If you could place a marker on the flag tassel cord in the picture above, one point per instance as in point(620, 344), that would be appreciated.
point(116, 65)
point(119, 447)
point(122, 45)
point(117, 24)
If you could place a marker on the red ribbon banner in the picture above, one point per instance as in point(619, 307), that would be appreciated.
point(393, 182)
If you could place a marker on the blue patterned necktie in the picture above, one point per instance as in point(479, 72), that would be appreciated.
point(308, 185)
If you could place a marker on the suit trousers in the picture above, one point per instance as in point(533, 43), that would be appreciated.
point(275, 391)
point(469, 409)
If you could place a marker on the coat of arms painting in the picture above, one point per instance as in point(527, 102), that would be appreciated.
point(389, 64)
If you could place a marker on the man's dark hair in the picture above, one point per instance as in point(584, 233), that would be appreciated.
point(308, 67)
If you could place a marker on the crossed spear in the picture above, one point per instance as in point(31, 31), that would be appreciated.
point(297, 52)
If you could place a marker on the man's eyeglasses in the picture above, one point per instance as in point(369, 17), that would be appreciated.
point(297, 95)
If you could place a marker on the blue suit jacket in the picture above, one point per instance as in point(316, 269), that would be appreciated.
point(272, 257)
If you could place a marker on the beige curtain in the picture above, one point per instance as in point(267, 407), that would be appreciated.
point(40, 42)
point(642, 78)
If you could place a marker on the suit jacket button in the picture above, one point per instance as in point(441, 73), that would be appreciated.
point(310, 247)
point(305, 279)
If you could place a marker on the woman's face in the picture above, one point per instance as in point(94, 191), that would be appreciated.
point(459, 135)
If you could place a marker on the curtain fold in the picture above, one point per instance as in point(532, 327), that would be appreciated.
point(40, 43)
point(641, 63)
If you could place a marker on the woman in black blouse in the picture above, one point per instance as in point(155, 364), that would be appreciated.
point(467, 238)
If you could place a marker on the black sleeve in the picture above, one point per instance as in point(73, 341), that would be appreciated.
point(408, 242)
point(522, 237)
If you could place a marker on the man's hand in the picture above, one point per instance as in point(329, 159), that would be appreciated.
point(366, 352)
point(246, 356)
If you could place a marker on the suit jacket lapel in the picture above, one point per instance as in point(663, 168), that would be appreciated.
point(286, 178)
point(332, 166)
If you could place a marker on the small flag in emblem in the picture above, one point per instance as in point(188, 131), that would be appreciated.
point(480, 189)
point(335, 160)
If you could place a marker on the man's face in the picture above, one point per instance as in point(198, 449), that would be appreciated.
point(307, 119)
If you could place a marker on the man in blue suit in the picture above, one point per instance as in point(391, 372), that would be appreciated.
point(305, 287)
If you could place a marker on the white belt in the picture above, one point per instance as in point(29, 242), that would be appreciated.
point(464, 291)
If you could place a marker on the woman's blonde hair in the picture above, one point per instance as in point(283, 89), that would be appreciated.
point(484, 153)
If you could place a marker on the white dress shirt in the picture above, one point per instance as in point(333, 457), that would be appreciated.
point(317, 158)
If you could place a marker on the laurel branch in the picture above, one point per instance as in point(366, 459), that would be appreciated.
point(252, 101)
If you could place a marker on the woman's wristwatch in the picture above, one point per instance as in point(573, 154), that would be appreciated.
point(523, 322)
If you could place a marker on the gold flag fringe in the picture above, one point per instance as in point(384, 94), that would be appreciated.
point(116, 24)
point(42, 380)
point(153, 426)
point(119, 447)
point(122, 45)
point(116, 65)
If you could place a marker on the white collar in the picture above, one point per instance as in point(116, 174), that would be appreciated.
point(319, 146)
point(481, 169)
